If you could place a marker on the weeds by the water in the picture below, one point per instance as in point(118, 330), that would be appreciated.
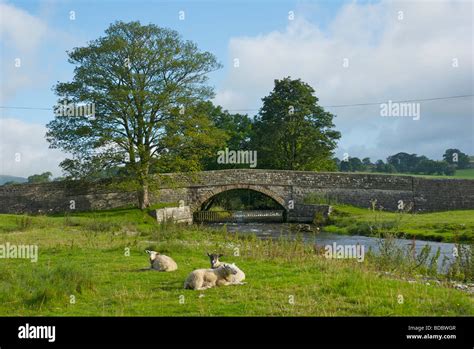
point(463, 266)
point(403, 258)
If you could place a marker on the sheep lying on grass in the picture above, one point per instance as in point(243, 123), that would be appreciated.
point(202, 279)
point(215, 263)
point(161, 262)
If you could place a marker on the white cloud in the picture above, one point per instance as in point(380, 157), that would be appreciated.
point(38, 46)
point(27, 140)
point(21, 36)
point(388, 59)
point(26, 36)
point(20, 29)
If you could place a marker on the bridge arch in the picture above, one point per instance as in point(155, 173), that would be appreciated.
point(223, 188)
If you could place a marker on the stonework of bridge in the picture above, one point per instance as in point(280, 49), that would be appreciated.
point(285, 187)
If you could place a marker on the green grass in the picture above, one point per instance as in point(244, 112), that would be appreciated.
point(85, 255)
point(460, 174)
point(466, 173)
point(448, 226)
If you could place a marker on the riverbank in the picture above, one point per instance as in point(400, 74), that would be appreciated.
point(89, 264)
point(448, 226)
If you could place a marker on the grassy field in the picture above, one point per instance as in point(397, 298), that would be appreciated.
point(448, 226)
point(90, 264)
point(467, 173)
point(460, 174)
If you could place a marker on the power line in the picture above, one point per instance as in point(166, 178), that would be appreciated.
point(324, 106)
point(378, 103)
point(30, 108)
point(404, 101)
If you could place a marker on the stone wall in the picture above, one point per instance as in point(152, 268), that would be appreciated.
point(61, 197)
point(357, 189)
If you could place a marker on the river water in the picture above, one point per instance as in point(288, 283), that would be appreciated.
point(276, 230)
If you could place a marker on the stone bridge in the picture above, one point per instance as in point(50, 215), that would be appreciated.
point(285, 187)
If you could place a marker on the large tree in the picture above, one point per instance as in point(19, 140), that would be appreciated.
point(142, 80)
point(292, 131)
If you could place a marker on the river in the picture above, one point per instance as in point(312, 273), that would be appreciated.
point(275, 230)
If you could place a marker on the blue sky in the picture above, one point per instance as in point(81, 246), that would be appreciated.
point(390, 58)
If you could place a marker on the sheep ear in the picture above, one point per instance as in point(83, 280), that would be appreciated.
point(148, 251)
point(208, 254)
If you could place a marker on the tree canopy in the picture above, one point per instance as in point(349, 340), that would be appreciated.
point(457, 158)
point(40, 178)
point(292, 131)
point(143, 81)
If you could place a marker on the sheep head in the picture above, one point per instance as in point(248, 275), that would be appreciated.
point(229, 269)
point(152, 254)
point(214, 258)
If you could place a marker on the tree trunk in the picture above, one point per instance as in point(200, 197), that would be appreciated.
point(143, 199)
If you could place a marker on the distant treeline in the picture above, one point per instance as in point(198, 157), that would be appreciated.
point(408, 163)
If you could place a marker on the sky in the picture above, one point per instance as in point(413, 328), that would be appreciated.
point(350, 52)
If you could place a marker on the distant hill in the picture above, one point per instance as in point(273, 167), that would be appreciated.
point(5, 178)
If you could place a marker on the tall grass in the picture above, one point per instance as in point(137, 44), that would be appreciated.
point(404, 259)
point(24, 222)
point(36, 285)
point(463, 266)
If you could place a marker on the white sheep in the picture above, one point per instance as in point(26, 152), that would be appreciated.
point(161, 262)
point(202, 279)
point(234, 279)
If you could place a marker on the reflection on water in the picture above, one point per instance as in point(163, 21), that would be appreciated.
point(275, 230)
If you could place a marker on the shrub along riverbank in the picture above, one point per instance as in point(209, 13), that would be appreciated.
point(89, 264)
